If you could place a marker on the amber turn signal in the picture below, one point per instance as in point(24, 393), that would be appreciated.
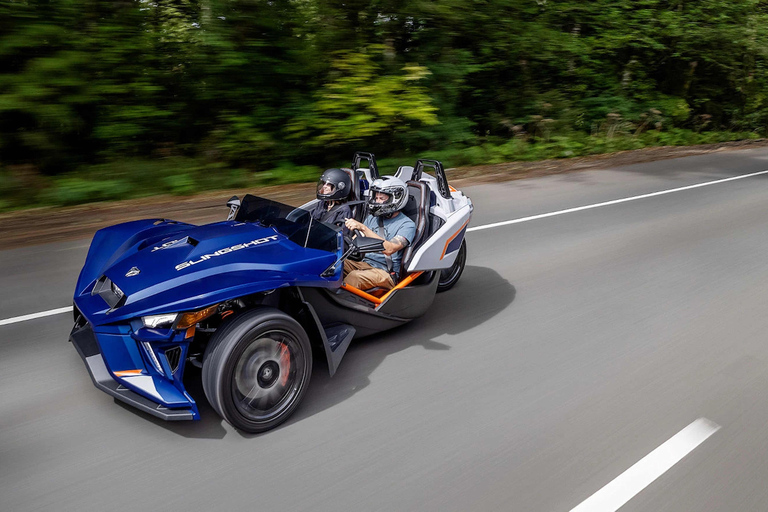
point(187, 320)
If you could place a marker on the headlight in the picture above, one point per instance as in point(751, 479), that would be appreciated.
point(153, 357)
point(154, 321)
point(179, 320)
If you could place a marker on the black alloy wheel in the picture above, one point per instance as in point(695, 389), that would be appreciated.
point(257, 369)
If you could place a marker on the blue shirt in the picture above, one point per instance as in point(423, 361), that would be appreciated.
point(400, 225)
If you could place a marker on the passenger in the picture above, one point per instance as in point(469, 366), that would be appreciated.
point(333, 190)
point(385, 221)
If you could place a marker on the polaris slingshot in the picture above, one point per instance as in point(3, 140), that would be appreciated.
point(249, 299)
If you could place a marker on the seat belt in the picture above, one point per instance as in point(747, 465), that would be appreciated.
point(387, 257)
point(327, 213)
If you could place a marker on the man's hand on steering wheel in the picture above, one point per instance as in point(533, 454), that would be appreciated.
point(354, 225)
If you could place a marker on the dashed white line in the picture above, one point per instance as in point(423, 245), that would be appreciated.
point(32, 316)
point(478, 228)
point(625, 486)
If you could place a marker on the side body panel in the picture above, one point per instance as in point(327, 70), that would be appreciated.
point(413, 300)
point(338, 306)
point(441, 249)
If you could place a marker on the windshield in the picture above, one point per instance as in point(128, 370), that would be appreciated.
point(295, 223)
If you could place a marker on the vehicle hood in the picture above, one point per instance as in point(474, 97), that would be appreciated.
point(195, 266)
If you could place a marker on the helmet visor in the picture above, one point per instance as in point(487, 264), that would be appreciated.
point(380, 203)
point(325, 188)
point(378, 197)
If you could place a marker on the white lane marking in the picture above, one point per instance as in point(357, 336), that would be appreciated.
point(476, 228)
point(32, 316)
point(608, 203)
point(72, 248)
point(625, 486)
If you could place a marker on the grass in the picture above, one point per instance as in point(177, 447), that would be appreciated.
point(567, 146)
point(22, 188)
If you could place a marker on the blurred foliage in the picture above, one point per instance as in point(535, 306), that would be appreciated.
point(109, 99)
point(360, 103)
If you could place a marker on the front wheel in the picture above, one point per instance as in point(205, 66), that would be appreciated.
point(450, 276)
point(256, 369)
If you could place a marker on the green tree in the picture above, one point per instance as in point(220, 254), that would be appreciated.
point(359, 104)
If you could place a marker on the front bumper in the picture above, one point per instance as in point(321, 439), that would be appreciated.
point(84, 340)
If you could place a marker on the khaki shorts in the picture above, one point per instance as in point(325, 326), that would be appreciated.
point(363, 276)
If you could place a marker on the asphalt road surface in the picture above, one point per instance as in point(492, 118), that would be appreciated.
point(572, 348)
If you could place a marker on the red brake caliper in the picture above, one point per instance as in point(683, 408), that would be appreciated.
point(285, 364)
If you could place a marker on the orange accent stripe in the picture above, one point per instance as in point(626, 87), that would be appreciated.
point(402, 284)
point(127, 373)
point(376, 300)
point(451, 239)
point(361, 293)
point(452, 189)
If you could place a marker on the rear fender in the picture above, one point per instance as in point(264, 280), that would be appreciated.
point(441, 249)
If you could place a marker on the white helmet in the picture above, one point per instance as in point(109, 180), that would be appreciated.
point(393, 187)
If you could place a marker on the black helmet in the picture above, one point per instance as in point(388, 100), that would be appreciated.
point(393, 187)
point(340, 183)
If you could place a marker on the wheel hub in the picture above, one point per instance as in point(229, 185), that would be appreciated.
point(268, 374)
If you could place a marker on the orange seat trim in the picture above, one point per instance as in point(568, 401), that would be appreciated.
point(361, 293)
point(402, 284)
point(376, 300)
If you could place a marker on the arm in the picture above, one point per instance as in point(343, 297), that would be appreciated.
point(397, 243)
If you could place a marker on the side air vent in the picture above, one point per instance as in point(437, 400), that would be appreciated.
point(174, 357)
point(110, 292)
point(157, 246)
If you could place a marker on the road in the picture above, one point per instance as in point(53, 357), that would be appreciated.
point(573, 347)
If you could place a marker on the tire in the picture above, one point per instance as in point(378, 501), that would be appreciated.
point(257, 369)
point(450, 276)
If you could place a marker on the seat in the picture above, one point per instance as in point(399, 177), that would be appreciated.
point(355, 195)
point(405, 173)
point(417, 209)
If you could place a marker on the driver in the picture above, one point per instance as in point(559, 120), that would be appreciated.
point(384, 221)
point(333, 189)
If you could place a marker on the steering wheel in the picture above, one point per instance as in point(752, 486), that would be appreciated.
point(354, 254)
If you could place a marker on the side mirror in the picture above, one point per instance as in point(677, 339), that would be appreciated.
point(365, 244)
point(234, 206)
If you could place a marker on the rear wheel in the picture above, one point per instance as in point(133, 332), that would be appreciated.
point(257, 368)
point(450, 276)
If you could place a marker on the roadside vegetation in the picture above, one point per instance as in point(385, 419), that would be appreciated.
point(109, 100)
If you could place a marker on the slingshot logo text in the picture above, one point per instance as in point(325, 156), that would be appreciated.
point(227, 250)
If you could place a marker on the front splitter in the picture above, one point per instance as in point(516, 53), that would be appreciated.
point(85, 342)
